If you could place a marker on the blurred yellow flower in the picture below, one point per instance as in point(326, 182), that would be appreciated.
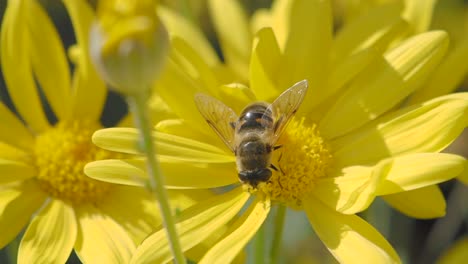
point(346, 146)
point(43, 188)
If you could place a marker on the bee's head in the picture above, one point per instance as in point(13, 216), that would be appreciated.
point(254, 177)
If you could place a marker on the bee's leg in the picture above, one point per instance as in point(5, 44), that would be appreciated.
point(279, 183)
point(276, 169)
point(277, 147)
point(279, 159)
point(232, 124)
point(273, 167)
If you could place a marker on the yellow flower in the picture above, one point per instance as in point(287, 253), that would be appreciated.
point(43, 188)
point(346, 146)
point(421, 15)
point(450, 16)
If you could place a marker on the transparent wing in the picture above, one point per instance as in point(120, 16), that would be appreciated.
point(219, 116)
point(285, 106)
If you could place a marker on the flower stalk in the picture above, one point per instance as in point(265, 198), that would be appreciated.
point(129, 46)
point(278, 234)
point(138, 105)
point(259, 245)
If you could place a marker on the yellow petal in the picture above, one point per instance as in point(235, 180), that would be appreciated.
point(49, 61)
point(419, 14)
point(16, 134)
point(11, 171)
point(242, 231)
point(385, 83)
point(235, 43)
point(16, 207)
point(351, 191)
point(423, 203)
point(428, 127)
point(183, 199)
point(89, 90)
point(187, 175)
point(10, 152)
point(179, 26)
point(347, 69)
point(463, 177)
point(375, 30)
point(100, 239)
point(135, 209)
point(457, 253)
point(418, 170)
point(193, 226)
point(172, 147)
point(236, 95)
point(178, 90)
point(264, 65)
point(189, 150)
point(260, 19)
point(196, 253)
point(307, 48)
point(16, 65)
point(449, 74)
point(180, 127)
point(348, 237)
point(127, 172)
point(280, 16)
point(50, 236)
point(159, 111)
point(192, 62)
point(133, 172)
point(416, 65)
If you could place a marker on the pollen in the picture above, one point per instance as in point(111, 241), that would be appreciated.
point(302, 159)
point(60, 155)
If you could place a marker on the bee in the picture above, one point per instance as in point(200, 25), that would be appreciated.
point(252, 137)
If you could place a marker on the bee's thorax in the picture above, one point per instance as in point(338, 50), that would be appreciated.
point(255, 117)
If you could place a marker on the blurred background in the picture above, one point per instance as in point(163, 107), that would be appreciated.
point(416, 241)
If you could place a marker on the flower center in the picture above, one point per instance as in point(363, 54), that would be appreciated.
point(60, 155)
point(302, 159)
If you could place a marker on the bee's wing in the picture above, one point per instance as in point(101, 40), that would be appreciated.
point(219, 116)
point(285, 106)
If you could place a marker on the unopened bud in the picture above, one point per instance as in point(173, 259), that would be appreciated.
point(128, 44)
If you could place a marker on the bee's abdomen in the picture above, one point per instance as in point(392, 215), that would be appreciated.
point(255, 117)
point(253, 153)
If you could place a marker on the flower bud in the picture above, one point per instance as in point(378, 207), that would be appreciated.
point(128, 44)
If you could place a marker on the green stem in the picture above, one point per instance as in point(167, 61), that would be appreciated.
point(138, 105)
point(260, 245)
point(278, 234)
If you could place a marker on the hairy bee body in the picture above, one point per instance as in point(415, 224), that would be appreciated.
point(252, 136)
point(253, 149)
